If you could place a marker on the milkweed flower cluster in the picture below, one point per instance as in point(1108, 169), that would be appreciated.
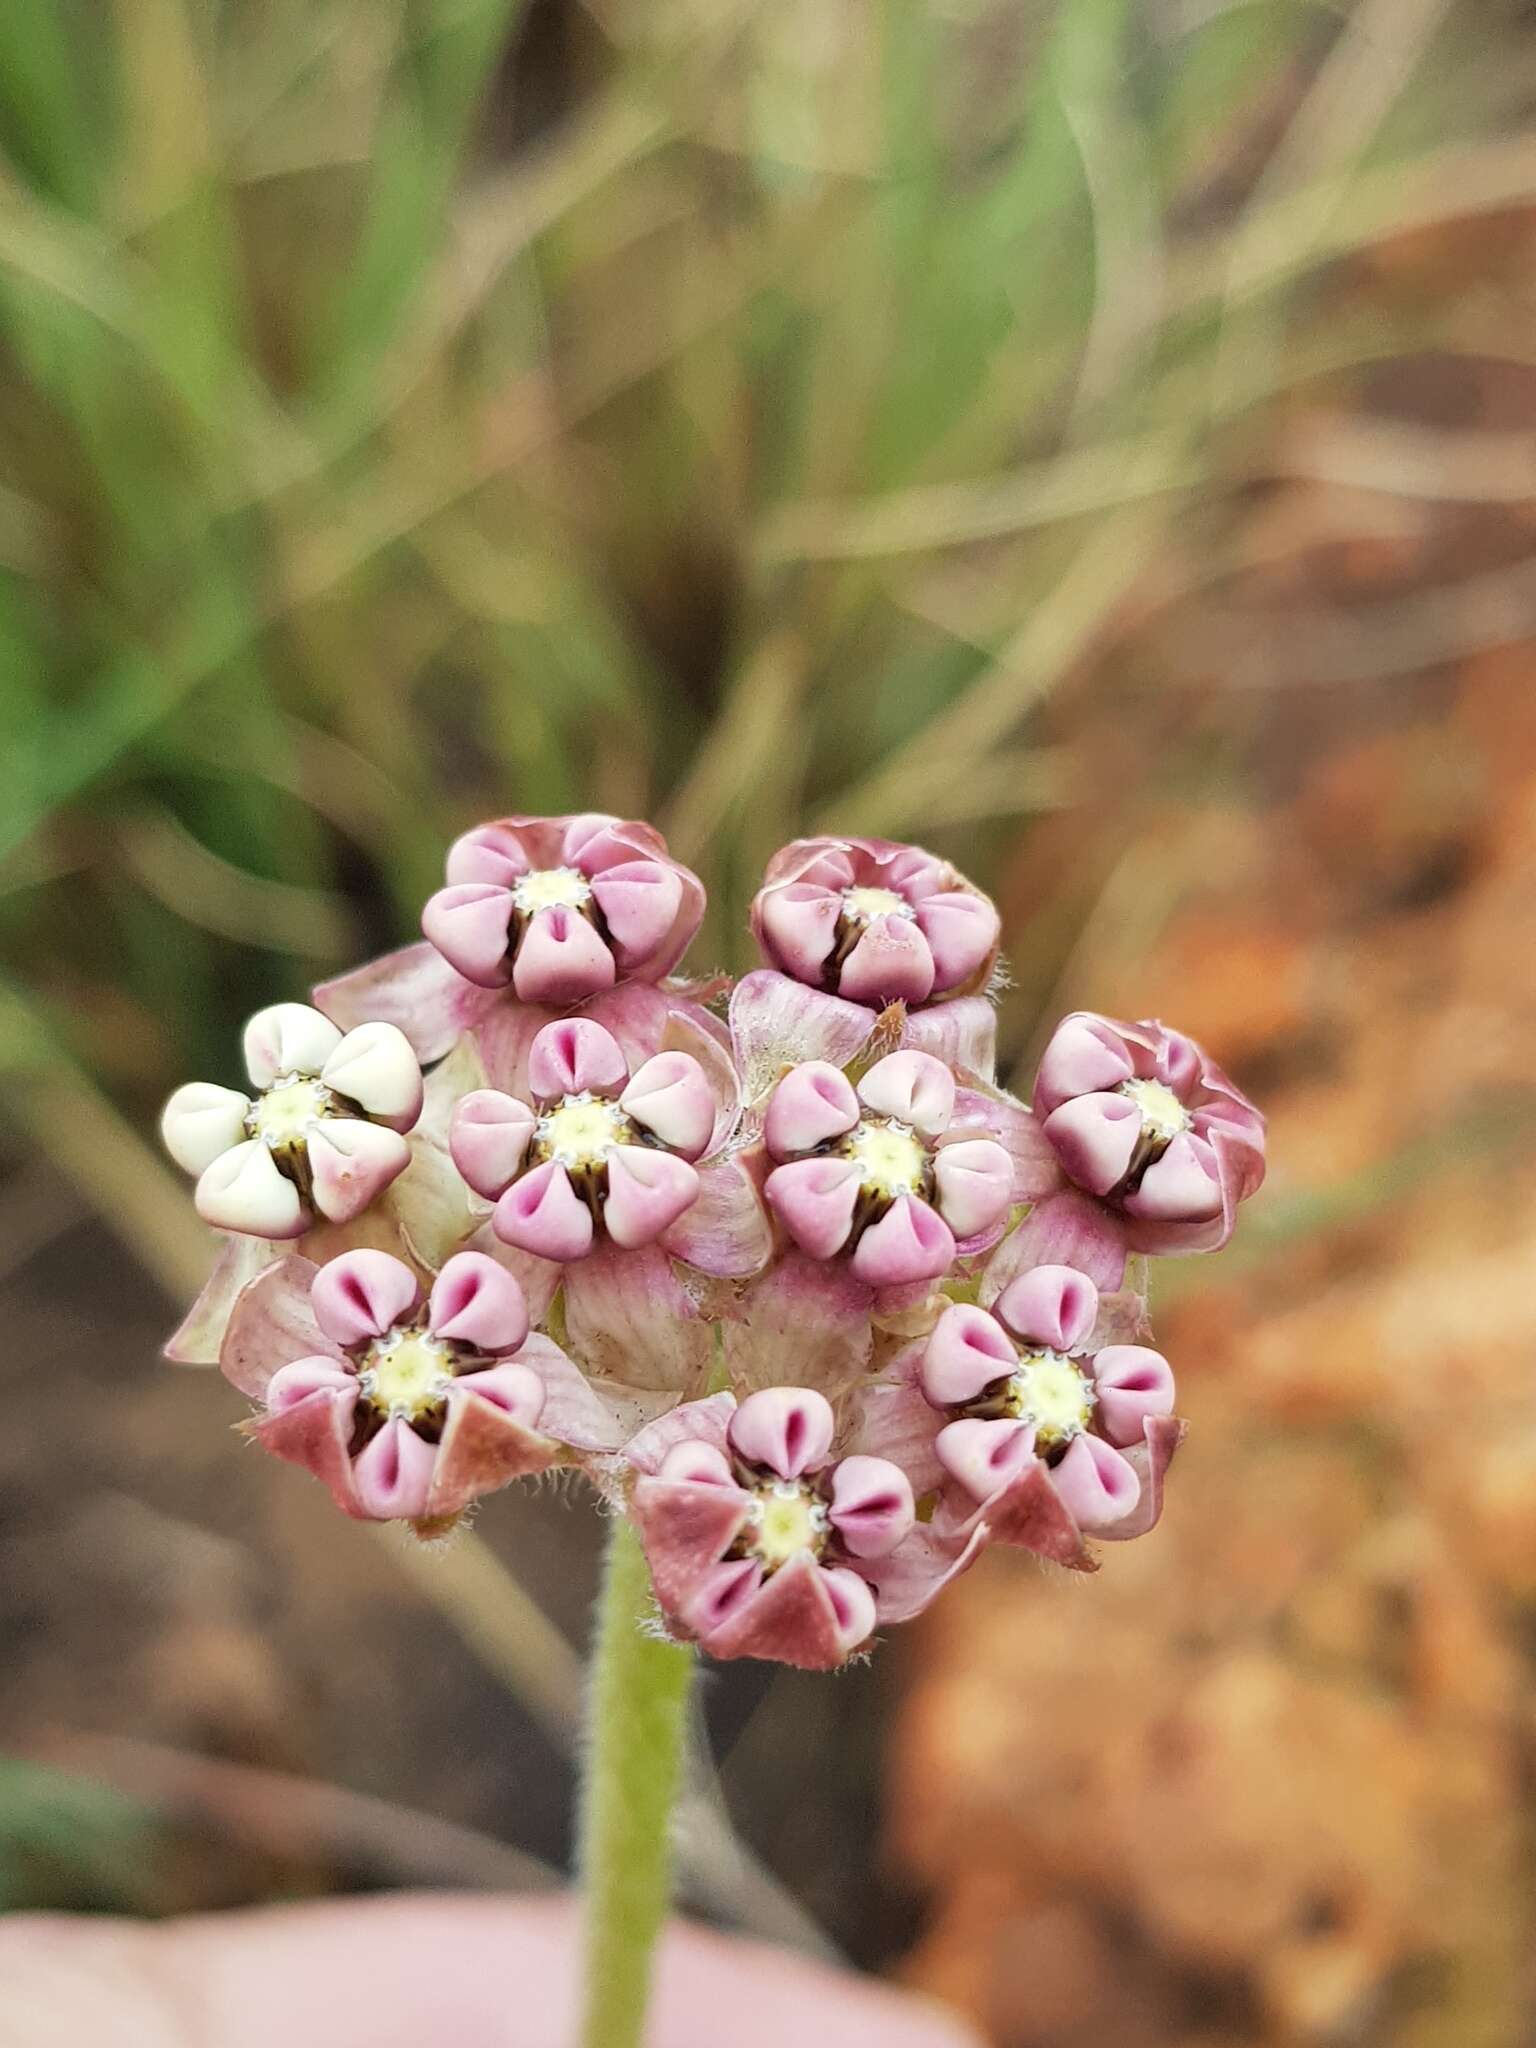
point(779, 1267)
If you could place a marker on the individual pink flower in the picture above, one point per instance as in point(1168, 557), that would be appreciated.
point(562, 908)
point(882, 1171)
point(1029, 1398)
point(875, 922)
point(759, 1534)
point(323, 1134)
point(406, 1409)
point(596, 1152)
point(1140, 1117)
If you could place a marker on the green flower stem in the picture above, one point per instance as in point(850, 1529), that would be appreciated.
point(637, 1718)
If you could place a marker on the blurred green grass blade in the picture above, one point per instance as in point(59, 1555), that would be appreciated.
point(49, 128)
point(67, 1841)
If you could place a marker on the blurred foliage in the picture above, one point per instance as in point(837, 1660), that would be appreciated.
point(67, 1840)
point(743, 415)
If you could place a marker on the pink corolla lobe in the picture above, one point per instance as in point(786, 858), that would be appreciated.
point(563, 908)
point(1142, 1118)
point(875, 922)
point(759, 1534)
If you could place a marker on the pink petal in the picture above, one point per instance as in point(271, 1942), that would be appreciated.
point(973, 1185)
point(787, 1429)
point(474, 1301)
point(801, 1322)
point(488, 1440)
point(352, 1163)
point(314, 1435)
point(1066, 1229)
point(777, 1023)
point(798, 927)
point(891, 963)
point(725, 1231)
point(815, 1199)
point(698, 1463)
point(639, 901)
point(910, 1242)
point(1181, 1187)
point(1133, 1383)
point(913, 1087)
point(1030, 1514)
point(573, 1057)
point(961, 1032)
point(1150, 1459)
point(392, 1475)
point(628, 1319)
point(686, 1529)
point(892, 1418)
point(985, 1456)
point(469, 924)
point(489, 853)
point(489, 1139)
point(415, 988)
point(707, 1422)
point(812, 1104)
point(647, 1192)
point(243, 1190)
point(543, 1214)
point(270, 1322)
point(588, 1417)
point(1052, 1305)
point(1096, 1483)
point(200, 1334)
point(361, 1295)
point(984, 1113)
point(287, 1038)
point(1095, 1138)
point(561, 959)
point(515, 1389)
point(1086, 1056)
point(962, 931)
point(872, 1506)
point(853, 1607)
point(295, 1382)
point(968, 1351)
point(802, 1616)
point(671, 1096)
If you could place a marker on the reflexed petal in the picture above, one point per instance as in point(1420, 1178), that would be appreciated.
point(287, 1038)
point(671, 1096)
point(853, 1606)
point(415, 988)
point(1181, 1187)
point(1095, 1138)
point(1133, 1382)
point(392, 1476)
point(295, 1382)
point(271, 1323)
point(361, 1295)
point(913, 1087)
point(812, 1103)
point(1086, 1056)
point(469, 924)
point(803, 1322)
point(199, 1337)
point(243, 1190)
point(910, 1242)
point(1096, 1483)
point(962, 931)
point(352, 1163)
point(985, 1456)
point(489, 1139)
point(647, 1192)
point(1150, 1461)
point(961, 1032)
point(629, 1319)
point(200, 1122)
point(697, 1463)
point(488, 853)
point(725, 1230)
point(815, 1199)
point(973, 1182)
point(705, 1421)
point(1066, 1229)
point(474, 1301)
point(375, 1067)
point(515, 1389)
point(798, 927)
point(890, 964)
point(639, 900)
point(543, 1214)
point(787, 1429)
point(575, 1057)
point(778, 1023)
point(968, 1351)
point(872, 1506)
point(1056, 1306)
point(561, 959)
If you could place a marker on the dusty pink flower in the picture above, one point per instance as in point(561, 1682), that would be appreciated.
point(875, 922)
point(406, 1409)
point(758, 1533)
point(881, 1171)
point(1023, 1389)
point(562, 908)
point(322, 1134)
point(1140, 1117)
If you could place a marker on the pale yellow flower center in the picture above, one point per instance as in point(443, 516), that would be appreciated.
point(864, 905)
point(891, 1160)
point(285, 1114)
point(407, 1374)
point(1163, 1116)
point(1050, 1391)
point(550, 889)
point(787, 1521)
point(583, 1131)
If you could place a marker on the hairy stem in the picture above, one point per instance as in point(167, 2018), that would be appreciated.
point(637, 1717)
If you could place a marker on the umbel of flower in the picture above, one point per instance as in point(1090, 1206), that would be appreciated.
point(875, 922)
point(322, 1133)
point(562, 908)
point(598, 1151)
point(758, 1533)
point(876, 1172)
